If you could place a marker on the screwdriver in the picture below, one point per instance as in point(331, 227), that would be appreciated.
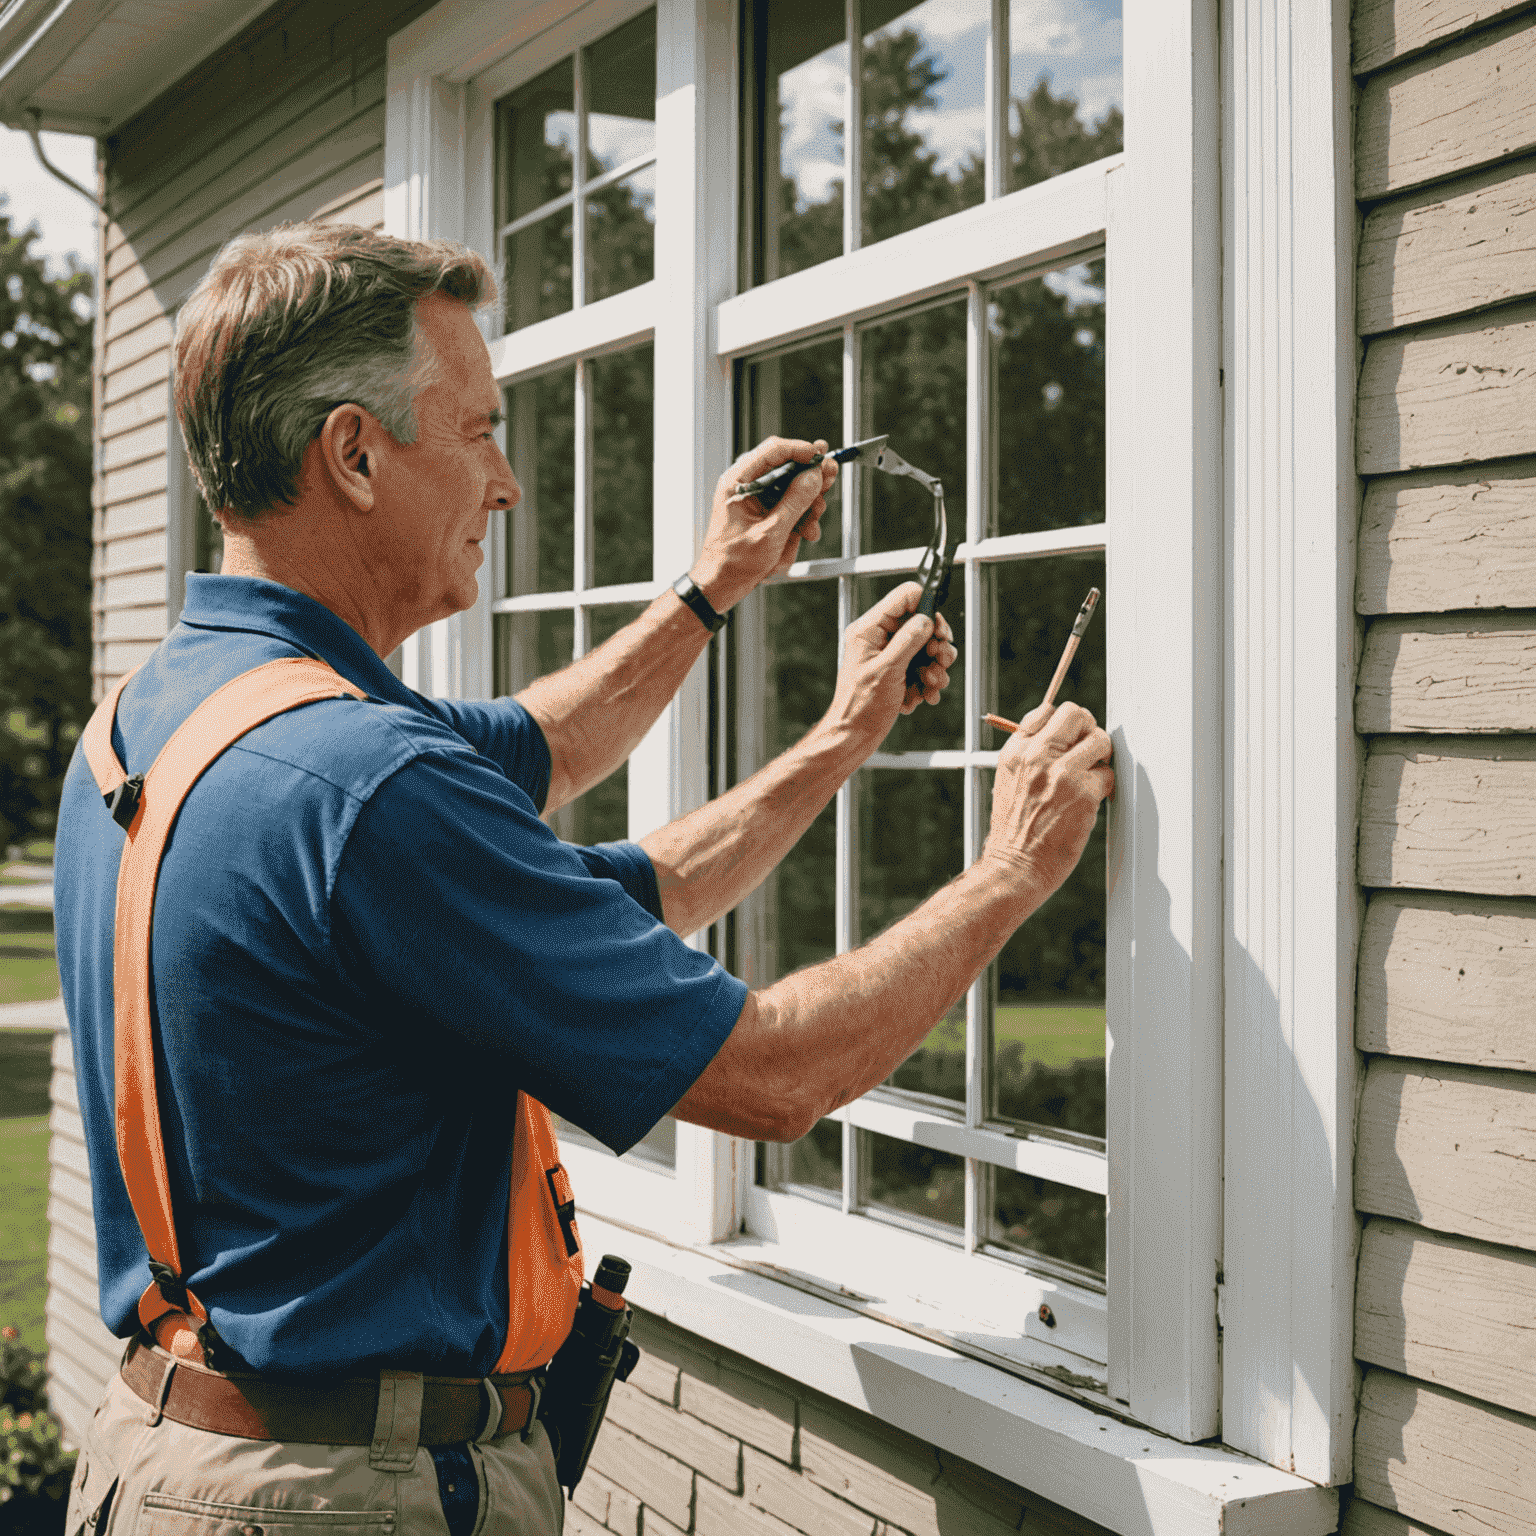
point(770, 488)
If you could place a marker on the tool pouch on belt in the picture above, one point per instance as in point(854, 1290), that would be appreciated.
point(597, 1353)
point(544, 1258)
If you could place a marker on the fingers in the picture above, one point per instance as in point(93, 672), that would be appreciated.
point(769, 454)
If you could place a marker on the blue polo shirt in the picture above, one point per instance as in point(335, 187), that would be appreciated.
point(365, 941)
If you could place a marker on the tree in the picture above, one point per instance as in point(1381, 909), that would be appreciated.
point(45, 529)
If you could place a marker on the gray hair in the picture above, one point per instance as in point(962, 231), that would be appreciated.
point(289, 324)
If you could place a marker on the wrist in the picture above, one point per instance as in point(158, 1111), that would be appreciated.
point(1010, 876)
point(714, 580)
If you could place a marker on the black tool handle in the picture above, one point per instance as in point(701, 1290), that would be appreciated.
point(935, 590)
point(776, 482)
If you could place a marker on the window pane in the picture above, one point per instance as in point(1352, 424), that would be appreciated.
point(910, 842)
point(602, 814)
point(621, 235)
point(915, 1182)
point(802, 100)
point(1047, 434)
point(800, 394)
point(538, 270)
point(1033, 1215)
point(623, 442)
point(530, 646)
point(1048, 1031)
point(800, 672)
point(541, 442)
point(621, 95)
point(1065, 81)
point(924, 111)
point(914, 389)
point(929, 727)
point(814, 1163)
point(538, 141)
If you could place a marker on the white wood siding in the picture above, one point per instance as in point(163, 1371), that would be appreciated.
point(1444, 539)
point(1472, 103)
point(1445, 674)
point(1448, 1461)
point(1446, 697)
point(1449, 1311)
point(1449, 978)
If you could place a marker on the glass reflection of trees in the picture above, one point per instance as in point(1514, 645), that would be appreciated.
point(802, 60)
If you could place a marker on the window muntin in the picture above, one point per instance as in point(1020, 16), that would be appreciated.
point(948, 115)
point(576, 170)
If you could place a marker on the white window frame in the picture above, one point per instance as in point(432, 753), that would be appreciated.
point(1158, 213)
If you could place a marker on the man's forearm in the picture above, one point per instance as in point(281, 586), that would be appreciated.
point(707, 861)
point(822, 1037)
point(594, 712)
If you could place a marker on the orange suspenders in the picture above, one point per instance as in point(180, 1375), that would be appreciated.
point(544, 1260)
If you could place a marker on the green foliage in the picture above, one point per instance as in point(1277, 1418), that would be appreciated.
point(35, 1469)
point(45, 530)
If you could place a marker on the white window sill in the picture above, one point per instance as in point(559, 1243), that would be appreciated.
point(1132, 1480)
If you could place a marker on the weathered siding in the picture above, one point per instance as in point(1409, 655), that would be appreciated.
point(1446, 584)
point(82, 1355)
point(706, 1441)
point(286, 123)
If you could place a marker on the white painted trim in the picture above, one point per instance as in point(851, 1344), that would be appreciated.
point(1081, 1167)
point(1042, 226)
point(610, 325)
point(1129, 1479)
point(1164, 711)
point(1088, 539)
point(1292, 757)
point(589, 597)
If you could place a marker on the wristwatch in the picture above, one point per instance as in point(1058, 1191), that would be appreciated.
point(687, 589)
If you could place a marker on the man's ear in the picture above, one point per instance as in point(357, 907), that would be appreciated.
point(348, 444)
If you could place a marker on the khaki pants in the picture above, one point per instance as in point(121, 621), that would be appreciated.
point(140, 1474)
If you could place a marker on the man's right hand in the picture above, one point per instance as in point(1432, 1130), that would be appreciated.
point(1051, 778)
point(745, 544)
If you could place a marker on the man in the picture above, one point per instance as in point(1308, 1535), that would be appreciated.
point(366, 942)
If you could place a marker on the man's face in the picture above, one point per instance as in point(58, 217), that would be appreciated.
point(435, 497)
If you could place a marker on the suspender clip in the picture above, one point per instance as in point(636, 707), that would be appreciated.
point(170, 1285)
point(123, 802)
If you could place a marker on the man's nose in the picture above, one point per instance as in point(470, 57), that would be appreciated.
point(505, 491)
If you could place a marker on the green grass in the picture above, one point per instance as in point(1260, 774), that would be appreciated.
point(28, 970)
point(1054, 1034)
point(24, 1073)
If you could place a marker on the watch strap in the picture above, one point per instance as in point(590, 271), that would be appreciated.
point(688, 589)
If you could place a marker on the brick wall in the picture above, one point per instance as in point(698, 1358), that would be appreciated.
point(703, 1440)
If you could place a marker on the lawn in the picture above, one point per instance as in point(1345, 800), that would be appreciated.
point(1054, 1034)
point(28, 972)
point(24, 1073)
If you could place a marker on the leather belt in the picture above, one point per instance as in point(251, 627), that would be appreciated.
point(453, 1409)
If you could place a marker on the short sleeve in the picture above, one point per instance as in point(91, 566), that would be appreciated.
point(505, 732)
point(631, 866)
point(463, 917)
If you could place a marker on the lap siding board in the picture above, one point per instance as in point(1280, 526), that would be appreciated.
point(1446, 698)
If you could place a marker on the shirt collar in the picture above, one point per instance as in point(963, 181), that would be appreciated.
point(257, 606)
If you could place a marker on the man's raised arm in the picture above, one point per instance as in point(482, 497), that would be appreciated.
point(594, 712)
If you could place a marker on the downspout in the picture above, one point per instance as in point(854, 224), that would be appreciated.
point(34, 122)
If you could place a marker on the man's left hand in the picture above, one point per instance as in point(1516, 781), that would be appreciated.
point(871, 683)
point(745, 544)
